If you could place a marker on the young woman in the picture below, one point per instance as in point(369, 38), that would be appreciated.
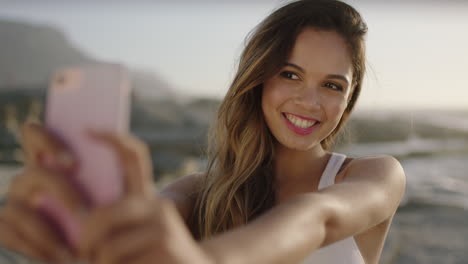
point(273, 191)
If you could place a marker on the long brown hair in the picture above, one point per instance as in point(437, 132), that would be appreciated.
point(239, 184)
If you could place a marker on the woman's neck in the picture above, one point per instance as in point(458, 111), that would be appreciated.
point(298, 166)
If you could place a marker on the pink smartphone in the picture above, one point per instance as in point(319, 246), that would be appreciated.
point(81, 98)
point(91, 97)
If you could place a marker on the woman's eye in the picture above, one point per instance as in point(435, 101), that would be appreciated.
point(289, 75)
point(334, 86)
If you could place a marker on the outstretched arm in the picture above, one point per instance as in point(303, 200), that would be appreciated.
point(369, 195)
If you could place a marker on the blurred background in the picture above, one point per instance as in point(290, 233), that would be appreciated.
point(182, 57)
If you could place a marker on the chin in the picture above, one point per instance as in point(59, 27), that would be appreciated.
point(298, 146)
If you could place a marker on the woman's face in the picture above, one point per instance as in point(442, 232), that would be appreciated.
point(303, 103)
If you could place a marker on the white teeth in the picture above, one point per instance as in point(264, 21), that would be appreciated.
point(299, 122)
point(303, 123)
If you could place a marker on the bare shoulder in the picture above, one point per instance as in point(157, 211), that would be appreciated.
point(183, 192)
point(381, 175)
point(375, 168)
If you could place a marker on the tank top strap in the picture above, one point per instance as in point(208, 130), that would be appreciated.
point(333, 166)
point(345, 250)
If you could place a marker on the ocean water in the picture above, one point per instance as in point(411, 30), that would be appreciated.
point(436, 169)
point(431, 225)
point(437, 180)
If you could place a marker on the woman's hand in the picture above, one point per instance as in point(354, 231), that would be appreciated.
point(141, 227)
point(140, 231)
point(47, 164)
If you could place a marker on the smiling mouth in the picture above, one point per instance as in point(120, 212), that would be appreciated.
point(300, 126)
point(299, 122)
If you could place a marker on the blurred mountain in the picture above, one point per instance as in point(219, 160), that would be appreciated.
point(203, 110)
point(29, 53)
point(150, 87)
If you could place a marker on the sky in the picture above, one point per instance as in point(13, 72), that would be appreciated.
point(417, 50)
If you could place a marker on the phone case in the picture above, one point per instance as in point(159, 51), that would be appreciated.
point(91, 97)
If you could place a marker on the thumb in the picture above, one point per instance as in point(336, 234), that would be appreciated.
point(135, 160)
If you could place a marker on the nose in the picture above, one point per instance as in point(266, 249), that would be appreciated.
point(309, 97)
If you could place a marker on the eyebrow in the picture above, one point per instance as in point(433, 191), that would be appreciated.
point(329, 76)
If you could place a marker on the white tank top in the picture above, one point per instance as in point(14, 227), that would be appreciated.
point(344, 251)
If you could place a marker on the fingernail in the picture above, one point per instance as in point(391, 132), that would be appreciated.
point(61, 216)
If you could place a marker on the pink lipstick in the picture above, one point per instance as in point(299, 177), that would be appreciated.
point(299, 130)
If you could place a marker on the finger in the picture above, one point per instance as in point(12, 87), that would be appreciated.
point(135, 158)
point(62, 219)
point(119, 249)
point(105, 221)
point(35, 233)
point(43, 148)
point(34, 180)
point(52, 197)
